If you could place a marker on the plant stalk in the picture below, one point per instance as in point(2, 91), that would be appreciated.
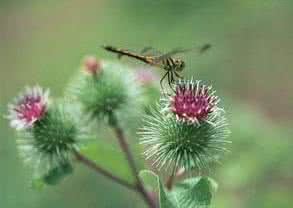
point(125, 148)
point(92, 165)
point(175, 174)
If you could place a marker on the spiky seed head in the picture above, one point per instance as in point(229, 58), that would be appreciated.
point(55, 132)
point(182, 137)
point(113, 91)
point(47, 146)
point(29, 107)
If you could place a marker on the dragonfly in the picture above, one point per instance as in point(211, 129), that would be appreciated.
point(171, 65)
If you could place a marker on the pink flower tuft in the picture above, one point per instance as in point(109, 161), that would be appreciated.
point(192, 101)
point(91, 65)
point(146, 76)
point(29, 107)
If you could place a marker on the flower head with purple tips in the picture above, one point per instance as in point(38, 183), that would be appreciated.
point(192, 101)
point(170, 136)
point(28, 107)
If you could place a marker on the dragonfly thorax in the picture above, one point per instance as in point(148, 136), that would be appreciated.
point(171, 64)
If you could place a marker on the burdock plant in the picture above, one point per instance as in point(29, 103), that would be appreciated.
point(184, 132)
point(187, 129)
point(47, 133)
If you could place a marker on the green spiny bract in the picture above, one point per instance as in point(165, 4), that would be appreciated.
point(184, 143)
point(48, 145)
point(55, 133)
point(111, 91)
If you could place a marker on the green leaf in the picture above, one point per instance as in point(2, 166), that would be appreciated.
point(167, 199)
point(108, 156)
point(53, 177)
point(191, 193)
point(195, 192)
point(37, 183)
point(152, 180)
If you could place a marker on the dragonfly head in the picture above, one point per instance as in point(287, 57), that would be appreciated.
point(179, 65)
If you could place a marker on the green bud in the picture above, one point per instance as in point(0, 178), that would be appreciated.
point(111, 91)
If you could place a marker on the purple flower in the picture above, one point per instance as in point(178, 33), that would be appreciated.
point(192, 101)
point(29, 107)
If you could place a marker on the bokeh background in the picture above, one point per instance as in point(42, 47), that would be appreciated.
point(250, 65)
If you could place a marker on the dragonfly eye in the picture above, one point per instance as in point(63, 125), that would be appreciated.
point(180, 66)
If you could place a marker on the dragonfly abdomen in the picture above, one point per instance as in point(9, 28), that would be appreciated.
point(122, 52)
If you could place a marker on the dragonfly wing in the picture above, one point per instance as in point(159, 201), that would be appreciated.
point(170, 54)
point(202, 49)
point(150, 51)
point(146, 49)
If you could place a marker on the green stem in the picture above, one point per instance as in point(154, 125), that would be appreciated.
point(171, 178)
point(175, 174)
point(92, 165)
point(125, 148)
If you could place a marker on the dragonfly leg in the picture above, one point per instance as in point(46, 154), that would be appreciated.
point(174, 81)
point(161, 81)
point(178, 75)
point(171, 80)
point(172, 77)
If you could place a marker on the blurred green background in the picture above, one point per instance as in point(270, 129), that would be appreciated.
point(250, 65)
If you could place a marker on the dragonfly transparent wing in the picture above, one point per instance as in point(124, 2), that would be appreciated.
point(150, 51)
point(202, 49)
point(170, 54)
point(205, 47)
